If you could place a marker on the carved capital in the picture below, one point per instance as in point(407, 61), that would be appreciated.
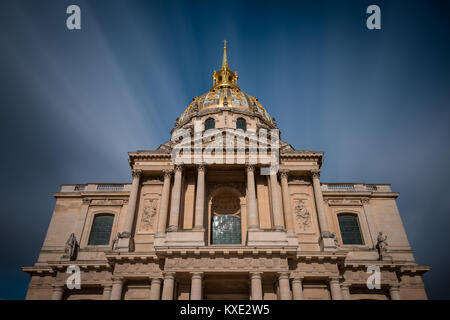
point(283, 275)
point(394, 287)
point(197, 275)
point(169, 275)
point(155, 280)
point(178, 168)
point(284, 174)
point(365, 200)
point(201, 168)
point(250, 167)
point(297, 278)
point(86, 201)
point(315, 173)
point(167, 173)
point(136, 173)
point(117, 280)
point(334, 279)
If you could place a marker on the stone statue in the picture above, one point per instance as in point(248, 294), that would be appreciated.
point(331, 235)
point(116, 240)
point(381, 245)
point(71, 247)
point(120, 235)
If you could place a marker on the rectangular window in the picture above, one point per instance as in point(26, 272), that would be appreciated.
point(350, 232)
point(101, 230)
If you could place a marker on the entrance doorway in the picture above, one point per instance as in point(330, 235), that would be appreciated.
point(226, 287)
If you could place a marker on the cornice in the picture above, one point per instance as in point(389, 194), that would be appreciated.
point(302, 155)
point(359, 194)
point(115, 195)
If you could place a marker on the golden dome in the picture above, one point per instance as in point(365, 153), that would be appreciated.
point(225, 93)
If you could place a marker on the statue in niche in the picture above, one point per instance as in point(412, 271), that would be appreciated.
point(381, 245)
point(71, 247)
point(150, 211)
point(302, 215)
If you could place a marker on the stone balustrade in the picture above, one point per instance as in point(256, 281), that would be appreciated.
point(92, 187)
point(355, 187)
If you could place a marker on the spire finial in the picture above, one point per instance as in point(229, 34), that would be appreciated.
point(225, 77)
point(224, 61)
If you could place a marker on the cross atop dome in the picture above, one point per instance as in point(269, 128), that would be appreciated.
point(224, 78)
point(224, 60)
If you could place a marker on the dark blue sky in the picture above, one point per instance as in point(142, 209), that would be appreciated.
point(73, 103)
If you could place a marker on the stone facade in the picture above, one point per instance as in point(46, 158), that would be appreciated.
point(160, 236)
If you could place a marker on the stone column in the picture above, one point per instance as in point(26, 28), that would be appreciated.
point(200, 198)
point(253, 219)
point(323, 223)
point(256, 285)
point(117, 287)
point(107, 291)
point(277, 210)
point(129, 218)
point(297, 288)
point(168, 286)
point(285, 290)
point(394, 291)
point(155, 288)
point(335, 289)
point(196, 285)
point(345, 288)
point(176, 197)
point(58, 292)
point(289, 220)
point(164, 207)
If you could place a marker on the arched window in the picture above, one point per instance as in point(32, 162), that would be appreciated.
point(350, 232)
point(241, 124)
point(101, 230)
point(210, 124)
point(226, 220)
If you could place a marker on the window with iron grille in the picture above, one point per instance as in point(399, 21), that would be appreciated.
point(241, 124)
point(101, 230)
point(210, 124)
point(350, 231)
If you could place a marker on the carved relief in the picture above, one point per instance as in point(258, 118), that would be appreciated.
point(302, 216)
point(153, 180)
point(221, 263)
point(343, 202)
point(148, 214)
point(106, 202)
point(299, 180)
